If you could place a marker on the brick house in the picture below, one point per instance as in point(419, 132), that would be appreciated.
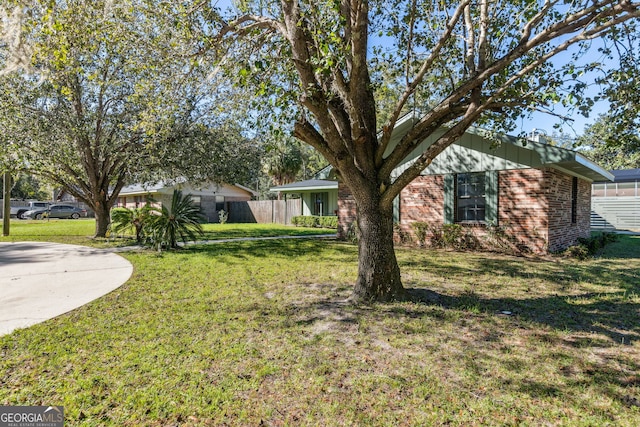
point(538, 194)
point(211, 198)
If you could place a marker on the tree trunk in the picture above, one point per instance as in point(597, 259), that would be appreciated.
point(6, 204)
point(378, 271)
point(103, 218)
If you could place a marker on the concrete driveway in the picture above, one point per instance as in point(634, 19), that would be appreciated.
point(41, 280)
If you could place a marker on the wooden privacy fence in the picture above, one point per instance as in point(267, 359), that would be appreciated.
point(264, 211)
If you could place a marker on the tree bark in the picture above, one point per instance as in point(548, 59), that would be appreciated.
point(378, 271)
point(103, 218)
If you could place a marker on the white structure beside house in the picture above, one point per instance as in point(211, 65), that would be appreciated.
point(616, 205)
point(211, 197)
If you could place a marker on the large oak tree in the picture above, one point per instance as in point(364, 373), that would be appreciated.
point(452, 63)
point(99, 94)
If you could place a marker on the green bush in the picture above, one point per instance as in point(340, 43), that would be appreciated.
point(312, 221)
point(403, 237)
point(420, 229)
point(452, 235)
point(578, 251)
point(329, 222)
point(591, 245)
point(353, 233)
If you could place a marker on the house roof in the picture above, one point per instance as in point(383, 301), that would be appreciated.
point(478, 150)
point(143, 188)
point(569, 161)
point(626, 175)
point(308, 185)
point(163, 187)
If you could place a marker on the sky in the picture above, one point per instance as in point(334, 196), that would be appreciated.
point(575, 127)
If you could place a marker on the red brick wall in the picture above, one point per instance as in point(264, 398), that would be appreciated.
point(534, 208)
point(346, 210)
point(522, 207)
point(422, 200)
point(562, 232)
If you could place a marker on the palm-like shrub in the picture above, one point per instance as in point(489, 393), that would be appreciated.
point(124, 220)
point(180, 221)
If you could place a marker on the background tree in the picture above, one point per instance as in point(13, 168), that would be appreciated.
point(605, 144)
point(111, 95)
point(30, 187)
point(621, 86)
point(283, 160)
point(454, 64)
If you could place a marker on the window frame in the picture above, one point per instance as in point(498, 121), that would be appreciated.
point(482, 178)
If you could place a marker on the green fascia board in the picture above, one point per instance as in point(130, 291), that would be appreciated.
point(480, 150)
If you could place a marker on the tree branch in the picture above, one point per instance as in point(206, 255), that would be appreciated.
point(410, 90)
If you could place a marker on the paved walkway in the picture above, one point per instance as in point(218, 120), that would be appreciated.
point(40, 280)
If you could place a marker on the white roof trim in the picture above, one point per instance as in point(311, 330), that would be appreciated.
point(594, 167)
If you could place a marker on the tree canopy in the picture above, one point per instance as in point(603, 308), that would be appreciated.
point(453, 64)
point(102, 94)
point(605, 143)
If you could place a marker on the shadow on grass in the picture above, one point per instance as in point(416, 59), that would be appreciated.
point(241, 251)
point(559, 275)
point(613, 372)
point(613, 315)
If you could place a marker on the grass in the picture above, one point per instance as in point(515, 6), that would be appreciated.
point(256, 333)
point(80, 232)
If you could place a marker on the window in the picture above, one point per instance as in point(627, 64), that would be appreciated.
point(626, 189)
point(470, 197)
point(574, 200)
point(319, 203)
point(219, 203)
point(196, 201)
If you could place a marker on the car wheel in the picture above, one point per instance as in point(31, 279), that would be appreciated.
point(38, 216)
point(75, 215)
point(20, 214)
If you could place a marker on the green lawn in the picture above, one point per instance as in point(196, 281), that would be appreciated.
point(79, 232)
point(256, 333)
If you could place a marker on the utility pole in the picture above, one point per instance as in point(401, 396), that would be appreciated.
point(6, 204)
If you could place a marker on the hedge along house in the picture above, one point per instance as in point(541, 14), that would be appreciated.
point(319, 197)
point(616, 205)
point(537, 194)
point(210, 198)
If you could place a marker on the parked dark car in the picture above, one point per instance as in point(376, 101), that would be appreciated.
point(56, 211)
